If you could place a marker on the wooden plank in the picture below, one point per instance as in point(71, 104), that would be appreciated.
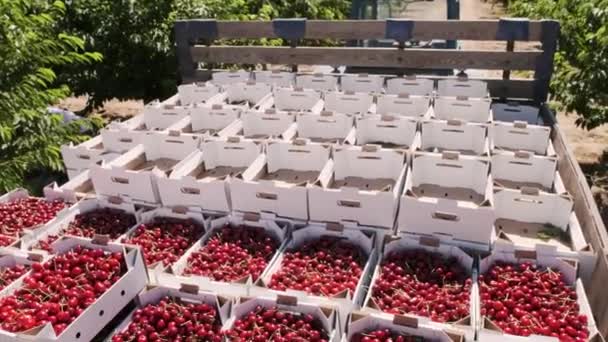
point(365, 57)
point(375, 29)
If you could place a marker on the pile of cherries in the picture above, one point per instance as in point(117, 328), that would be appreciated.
point(233, 253)
point(26, 213)
point(10, 274)
point(323, 267)
point(6, 240)
point(165, 239)
point(104, 221)
point(423, 283)
point(59, 290)
point(385, 335)
point(173, 320)
point(526, 299)
point(271, 324)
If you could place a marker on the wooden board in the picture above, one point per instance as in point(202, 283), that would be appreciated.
point(367, 57)
point(375, 29)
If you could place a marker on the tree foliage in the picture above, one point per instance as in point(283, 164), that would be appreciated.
point(31, 50)
point(136, 39)
point(580, 81)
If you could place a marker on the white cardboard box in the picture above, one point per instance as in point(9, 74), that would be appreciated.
point(123, 136)
point(9, 260)
point(462, 108)
point(362, 83)
point(57, 228)
point(345, 301)
point(153, 294)
point(569, 268)
point(361, 184)
point(513, 111)
point(363, 323)
point(325, 316)
point(516, 170)
point(448, 195)
point(196, 93)
point(201, 180)
point(78, 158)
point(327, 127)
point(222, 78)
point(454, 135)
point(295, 99)
point(410, 85)
point(462, 87)
point(262, 126)
point(404, 105)
point(276, 78)
point(394, 244)
point(159, 116)
point(392, 130)
point(214, 117)
point(519, 136)
point(104, 309)
point(175, 274)
point(77, 188)
point(278, 181)
point(133, 175)
point(317, 82)
point(349, 102)
point(249, 93)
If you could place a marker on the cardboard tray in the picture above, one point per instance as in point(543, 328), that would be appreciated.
point(348, 102)
point(276, 78)
point(263, 126)
point(410, 85)
point(362, 83)
point(295, 100)
point(319, 82)
point(326, 127)
point(198, 92)
point(462, 86)
point(77, 188)
point(223, 78)
point(463, 109)
point(415, 106)
point(454, 135)
point(390, 131)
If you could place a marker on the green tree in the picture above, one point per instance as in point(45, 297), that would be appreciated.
point(580, 81)
point(31, 49)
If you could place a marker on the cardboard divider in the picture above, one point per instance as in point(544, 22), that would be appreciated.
point(247, 92)
point(513, 112)
point(463, 109)
point(361, 185)
point(77, 188)
point(467, 325)
point(326, 316)
point(94, 318)
point(319, 82)
point(519, 136)
point(448, 196)
point(362, 83)
point(404, 105)
point(277, 181)
point(364, 323)
point(410, 85)
point(58, 227)
point(175, 274)
point(152, 294)
point(454, 135)
point(345, 301)
point(275, 78)
point(348, 102)
point(462, 87)
point(297, 99)
point(387, 130)
point(328, 127)
point(201, 180)
point(568, 267)
point(196, 93)
point(223, 78)
point(134, 174)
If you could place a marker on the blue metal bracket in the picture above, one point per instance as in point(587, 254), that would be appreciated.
point(290, 29)
point(513, 29)
point(399, 29)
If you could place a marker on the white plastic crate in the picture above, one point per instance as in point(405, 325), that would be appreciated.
point(201, 180)
point(362, 83)
point(133, 175)
point(448, 196)
point(454, 135)
point(349, 102)
point(278, 181)
point(326, 127)
point(361, 184)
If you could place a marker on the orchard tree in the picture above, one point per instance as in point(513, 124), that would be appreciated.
point(31, 50)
